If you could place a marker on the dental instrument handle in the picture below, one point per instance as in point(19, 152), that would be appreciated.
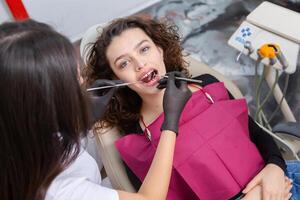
point(109, 86)
point(185, 79)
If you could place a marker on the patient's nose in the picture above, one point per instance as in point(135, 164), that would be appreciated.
point(140, 64)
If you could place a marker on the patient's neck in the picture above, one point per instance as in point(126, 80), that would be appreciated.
point(152, 106)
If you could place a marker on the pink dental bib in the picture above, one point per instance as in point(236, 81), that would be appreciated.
point(214, 157)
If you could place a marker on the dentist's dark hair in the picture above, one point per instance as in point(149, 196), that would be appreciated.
point(43, 111)
point(124, 110)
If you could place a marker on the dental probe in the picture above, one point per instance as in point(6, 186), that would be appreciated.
point(184, 79)
point(110, 86)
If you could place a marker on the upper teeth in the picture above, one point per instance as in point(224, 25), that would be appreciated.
point(146, 75)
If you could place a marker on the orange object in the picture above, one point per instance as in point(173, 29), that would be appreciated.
point(268, 50)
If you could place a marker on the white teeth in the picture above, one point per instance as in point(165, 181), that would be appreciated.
point(146, 75)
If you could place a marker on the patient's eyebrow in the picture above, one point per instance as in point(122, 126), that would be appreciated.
point(140, 43)
point(135, 47)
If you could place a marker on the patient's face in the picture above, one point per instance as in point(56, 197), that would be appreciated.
point(134, 57)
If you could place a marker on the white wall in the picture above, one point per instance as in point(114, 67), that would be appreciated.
point(4, 12)
point(74, 17)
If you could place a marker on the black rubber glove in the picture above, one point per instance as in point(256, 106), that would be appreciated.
point(176, 96)
point(100, 98)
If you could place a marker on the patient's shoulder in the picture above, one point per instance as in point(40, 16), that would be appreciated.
point(206, 79)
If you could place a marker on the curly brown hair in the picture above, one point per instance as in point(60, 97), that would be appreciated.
point(124, 109)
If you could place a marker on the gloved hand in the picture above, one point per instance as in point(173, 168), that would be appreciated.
point(100, 98)
point(175, 97)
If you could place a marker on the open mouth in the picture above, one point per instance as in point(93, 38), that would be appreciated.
point(150, 77)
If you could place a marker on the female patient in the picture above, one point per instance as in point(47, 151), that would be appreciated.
point(139, 50)
point(43, 115)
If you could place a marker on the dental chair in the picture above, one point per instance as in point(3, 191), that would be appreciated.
point(105, 138)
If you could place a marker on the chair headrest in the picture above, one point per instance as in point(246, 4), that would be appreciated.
point(90, 37)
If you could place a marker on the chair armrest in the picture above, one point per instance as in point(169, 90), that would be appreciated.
point(290, 128)
point(111, 159)
point(288, 144)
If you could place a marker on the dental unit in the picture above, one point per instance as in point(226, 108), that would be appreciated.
point(271, 36)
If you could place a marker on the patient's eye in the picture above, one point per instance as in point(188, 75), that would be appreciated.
point(145, 49)
point(123, 64)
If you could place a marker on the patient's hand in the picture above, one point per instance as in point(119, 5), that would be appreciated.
point(272, 180)
point(256, 192)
